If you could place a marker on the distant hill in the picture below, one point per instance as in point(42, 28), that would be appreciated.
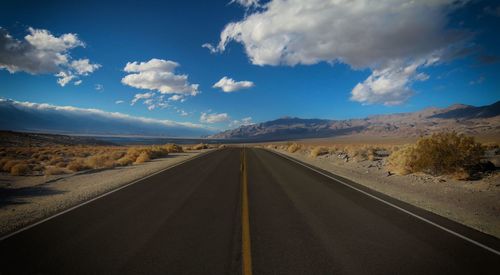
point(45, 118)
point(461, 118)
point(9, 138)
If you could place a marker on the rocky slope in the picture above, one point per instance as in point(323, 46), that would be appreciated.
point(471, 120)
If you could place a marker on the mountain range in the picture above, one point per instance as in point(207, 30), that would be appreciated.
point(46, 118)
point(461, 118)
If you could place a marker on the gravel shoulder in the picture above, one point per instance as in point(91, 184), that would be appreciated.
point(25, 200)
point(472, 203)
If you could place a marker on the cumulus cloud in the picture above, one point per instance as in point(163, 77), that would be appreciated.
point(40, 52)
point(361, 33)
point(214, 117)
point(158, 75)
point(151, 100)
point(176, 98)
point(243, 122)
point(84, 67)
point(246, 3)
point(228, 85)
point(47, 117)
point(119, 102)
point(78, 82)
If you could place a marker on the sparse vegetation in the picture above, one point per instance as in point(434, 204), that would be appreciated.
point(293, 147)
point(440, 154)
point(197, 147)
point(318, 151)
point(61, 159)
point(447, 153)
point(19, 169)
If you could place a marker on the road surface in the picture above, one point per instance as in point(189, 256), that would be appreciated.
point(238, 207)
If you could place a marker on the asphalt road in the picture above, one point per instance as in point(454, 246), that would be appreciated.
point(189, 220)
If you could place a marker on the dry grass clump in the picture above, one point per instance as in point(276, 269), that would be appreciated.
point(53, 160)
point(293, 147)
point(318, 151)
point(53, 170)
point(77, 165)
point(197, 147)
point(100, 161)
point(173, 148)
point(440, 154)
point(20, 169)
point(143, 157)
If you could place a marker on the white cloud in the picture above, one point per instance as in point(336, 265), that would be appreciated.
point(151, 100)
point(84, 67)
point(78, 82)
point(64, 78)
point(99, 87)
point(43, 53)
point(138, 97)
point(214, 117)
point(243, 122)
point(360, 33)
point(158, 75)
point(119, 102)
point(176, 98)
point(246, 3)
point(228, 85)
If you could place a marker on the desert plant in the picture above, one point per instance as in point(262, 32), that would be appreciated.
point(173, 148)
point(318, 151)
point(20, 169)
point(77, 165)
point(292, 148)
point(9, 164)
point(439, 154)
point(52, 170)
point(143, 157)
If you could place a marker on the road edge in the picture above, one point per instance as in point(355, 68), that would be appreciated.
point(24, 228)
point(373, 195)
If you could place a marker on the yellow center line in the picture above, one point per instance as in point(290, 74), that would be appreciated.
point(245, 221)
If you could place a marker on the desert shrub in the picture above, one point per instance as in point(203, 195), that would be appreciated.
point(439, 154)
point(8, 164)
point(3, 161)
point(143, 157)
point(292, 148)
point(61, 164)
point(77, 165)
point(20, 169)
point(200, 146)
point(54, 160)
point(115, 155)
point(124, 161)
point(99, 161)
point(401, 161)
point(173, 148)
point(318, 151)
point(36, 167)
point(52, 170)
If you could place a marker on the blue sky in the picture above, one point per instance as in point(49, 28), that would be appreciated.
point(295, 79)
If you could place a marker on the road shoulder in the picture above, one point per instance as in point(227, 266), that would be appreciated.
point(26, 202)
